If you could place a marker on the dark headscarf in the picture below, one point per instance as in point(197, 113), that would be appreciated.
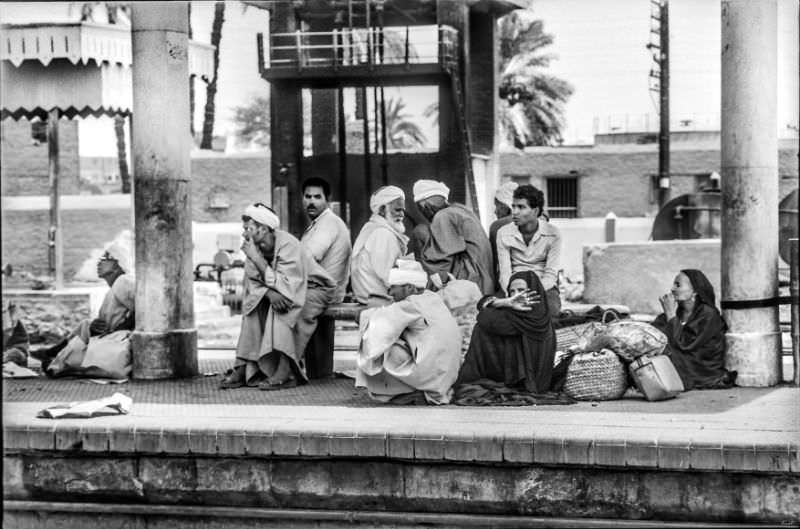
point(701, 285)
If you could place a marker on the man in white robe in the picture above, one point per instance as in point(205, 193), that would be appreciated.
point(378, 246)
point(413, 344)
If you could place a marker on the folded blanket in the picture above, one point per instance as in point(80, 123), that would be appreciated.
point(489, 393)
point(116, 404)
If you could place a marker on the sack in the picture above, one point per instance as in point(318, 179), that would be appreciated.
point(596, 376)
point(655, 377)
point(108, 356)
point(630, 339)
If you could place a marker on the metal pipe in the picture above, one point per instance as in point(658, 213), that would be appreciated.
point(794, 294)
point(56, 238)
point(365, 118)
point(663, 109)
point(342, 141)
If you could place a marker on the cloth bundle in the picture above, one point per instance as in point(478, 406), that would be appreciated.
point(116, 404)
point(461, 297)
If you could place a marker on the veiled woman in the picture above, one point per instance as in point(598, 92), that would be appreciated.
point(513, 341)
point(695, 331)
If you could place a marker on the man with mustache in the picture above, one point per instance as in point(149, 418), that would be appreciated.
point(378, 246)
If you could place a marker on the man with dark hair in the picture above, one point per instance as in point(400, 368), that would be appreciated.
point(457, 244)
point(530, 242)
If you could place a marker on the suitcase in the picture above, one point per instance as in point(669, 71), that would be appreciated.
point(655, 377)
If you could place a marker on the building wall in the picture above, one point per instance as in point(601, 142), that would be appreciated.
point(236, 180)
point(24, 167)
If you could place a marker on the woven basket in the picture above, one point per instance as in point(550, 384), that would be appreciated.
point(574, 335)
point(596, 376)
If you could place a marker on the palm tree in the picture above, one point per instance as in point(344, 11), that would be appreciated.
point(252, 120)
point(401, 133)
point(535, 100)
point(211, 88)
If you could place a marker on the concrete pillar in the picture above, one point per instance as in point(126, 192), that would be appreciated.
point(750, 189)
point(165, 340)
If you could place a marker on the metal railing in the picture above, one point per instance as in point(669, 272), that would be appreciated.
point(364, 46)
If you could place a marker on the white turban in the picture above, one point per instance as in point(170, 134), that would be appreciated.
point(263, 216)
point(505, 193)
point(399, 276)
point(430, 188)
point(121, 252)
point(384, 195)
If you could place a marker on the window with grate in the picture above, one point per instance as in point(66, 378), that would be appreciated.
point(39, 132)
point(562, 197)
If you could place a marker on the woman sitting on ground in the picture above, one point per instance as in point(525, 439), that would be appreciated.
point(695, 331)
point(513, 341)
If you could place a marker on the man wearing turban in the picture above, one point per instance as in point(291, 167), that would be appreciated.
point(502, 210)
point(100, 347)
point(276, 276)
point(378, 246)
point(457, 243)
point(411, 345)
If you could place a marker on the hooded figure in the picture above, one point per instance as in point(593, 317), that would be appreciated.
point(696, 333)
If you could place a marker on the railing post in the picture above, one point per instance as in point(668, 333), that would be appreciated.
point(794, 293)
point(611, 227)
point(299, 47)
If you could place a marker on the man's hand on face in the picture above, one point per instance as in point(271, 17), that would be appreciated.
point(251, 250)
point(278, 301)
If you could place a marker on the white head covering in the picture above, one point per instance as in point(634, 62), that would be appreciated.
point(263, 216)
point(399, 276)
point(383, 196)
point(430, 188)
point(505, 193)
point(120, 250)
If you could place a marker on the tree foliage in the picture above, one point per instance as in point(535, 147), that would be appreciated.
point(401, 131)
point(252, 121)
point(532, 112)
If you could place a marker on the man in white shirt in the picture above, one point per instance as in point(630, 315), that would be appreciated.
point(530, 242)
point(378, 246)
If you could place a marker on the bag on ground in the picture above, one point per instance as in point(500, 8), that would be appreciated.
point(630, 339)
point(655, 377)
point(596, 376)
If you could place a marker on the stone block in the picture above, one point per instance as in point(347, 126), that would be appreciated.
point(674, 454)
point(176, 441)
point(489, 447)
point(648, 268)
point(641, 454)
point(203, 440)
point(548, 449)
point(460, 446)
point(367, 479)
point(579, 451)
point(518, 448)
point(258, 443)
point(429, 447)
point(15, 437)
point(491, 485)
point(286, 443)
point(13, 477)
point(293, 477)
point(794, 456)
point(68, 437)
point(148, 440)
point(371, 444)
point(95, 438)
point(314, 444)
point(739, 456)
point(108, 476)
point(233, 475)
point(122, 440)
point(609, 452)
point(231, 442)
point(41, 437)
point(706, 456)
point(342, 443)
point(773, 458)
point(400, 445)
point(162, 475)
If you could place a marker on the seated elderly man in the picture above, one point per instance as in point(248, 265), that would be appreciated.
point(378, 246)
point(100, 347)
point(277, 276)
point(411, 345)
point(457, 244)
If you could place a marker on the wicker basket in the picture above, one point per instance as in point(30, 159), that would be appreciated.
point(596, 376)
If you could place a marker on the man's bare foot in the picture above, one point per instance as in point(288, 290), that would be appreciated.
point(235, 380)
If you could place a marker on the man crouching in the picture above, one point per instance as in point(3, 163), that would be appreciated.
point(410, 345)
point(275, 282)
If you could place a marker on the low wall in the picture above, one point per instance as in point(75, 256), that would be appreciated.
point(636, 274)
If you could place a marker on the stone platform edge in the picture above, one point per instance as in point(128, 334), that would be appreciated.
point(673, 451)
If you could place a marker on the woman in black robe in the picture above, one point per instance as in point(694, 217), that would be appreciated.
point(696, 332)
point(513, 341)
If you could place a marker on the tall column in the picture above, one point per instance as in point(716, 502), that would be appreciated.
point(750, 190)
point(165, 340)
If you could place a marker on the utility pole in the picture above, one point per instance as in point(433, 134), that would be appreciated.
point(660, 14)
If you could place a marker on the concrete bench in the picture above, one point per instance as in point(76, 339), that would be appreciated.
point(319, 351)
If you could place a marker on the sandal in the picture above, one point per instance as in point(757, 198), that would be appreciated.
point(268, 386)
